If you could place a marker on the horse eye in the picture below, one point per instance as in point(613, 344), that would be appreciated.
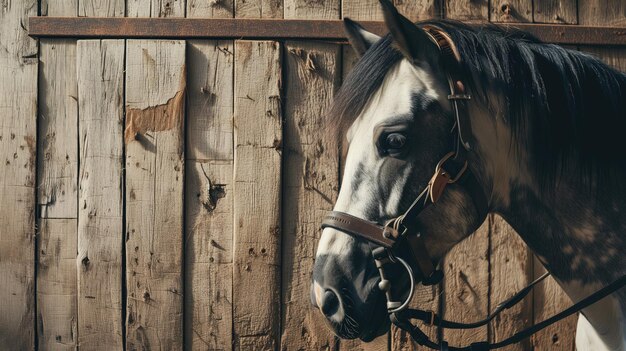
point(395, 141)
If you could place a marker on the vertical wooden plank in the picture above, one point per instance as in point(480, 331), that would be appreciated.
point(258, 8)
point(507, 11)
point(58, 194)
point(18, 102)
point(209, 196)
point(154, 138)
point(306, 9)
point(257, 195)
point(511, 271)
point(555, 11)
point(56, 285)
point(311, 184)
point(467, 10)
point(466, 286)
point(155, 110)
point(100, 74)
point(57, 174)
point(99, 243)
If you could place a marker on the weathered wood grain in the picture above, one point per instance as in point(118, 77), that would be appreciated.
point(155, 8)
point(210, 9)
point(416, 10)
point(310, 186)
point(511, 271)
point(361, 10)
point(101, 8)
point(306, 9)
point(100, 228)
point(555, 11)
point(59, 8)
point(466, 286)
point(258, 8)
point(155, 95)
point(370, 9)
point(602, 13)
point(209, 196)
point(57, 174)
point(511, 11)
point(467, 10)
point(257, 195)
point(18, 108)
point(57, 319)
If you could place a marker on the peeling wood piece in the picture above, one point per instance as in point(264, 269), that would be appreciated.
point(167, 116)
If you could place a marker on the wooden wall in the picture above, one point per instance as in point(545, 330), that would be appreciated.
point(163, 194)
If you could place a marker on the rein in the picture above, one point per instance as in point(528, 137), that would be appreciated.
point(404, 230)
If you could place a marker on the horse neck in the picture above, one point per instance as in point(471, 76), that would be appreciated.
point(581, 242)
point(577, 234)
point(578, 237)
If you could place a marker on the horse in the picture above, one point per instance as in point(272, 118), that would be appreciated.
point(543, 141)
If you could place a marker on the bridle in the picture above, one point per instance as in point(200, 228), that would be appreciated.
point(404, 230)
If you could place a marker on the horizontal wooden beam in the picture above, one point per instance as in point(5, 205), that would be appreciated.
point(197, 28)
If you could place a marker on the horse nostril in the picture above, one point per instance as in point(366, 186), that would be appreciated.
point(330, 303)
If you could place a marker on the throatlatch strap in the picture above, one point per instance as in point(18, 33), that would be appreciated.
point(431, 318)
point(402, 322)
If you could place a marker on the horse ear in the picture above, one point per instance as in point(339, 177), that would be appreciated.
point(410, 39)
point(359, 38)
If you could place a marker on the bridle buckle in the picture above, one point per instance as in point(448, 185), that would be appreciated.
point(441, 178)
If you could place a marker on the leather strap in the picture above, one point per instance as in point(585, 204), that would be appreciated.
point(458, 93)
point(361, 228)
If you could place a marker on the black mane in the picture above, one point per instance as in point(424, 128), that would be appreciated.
point(562, 105)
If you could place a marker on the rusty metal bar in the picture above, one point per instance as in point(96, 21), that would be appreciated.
point(196, 28)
